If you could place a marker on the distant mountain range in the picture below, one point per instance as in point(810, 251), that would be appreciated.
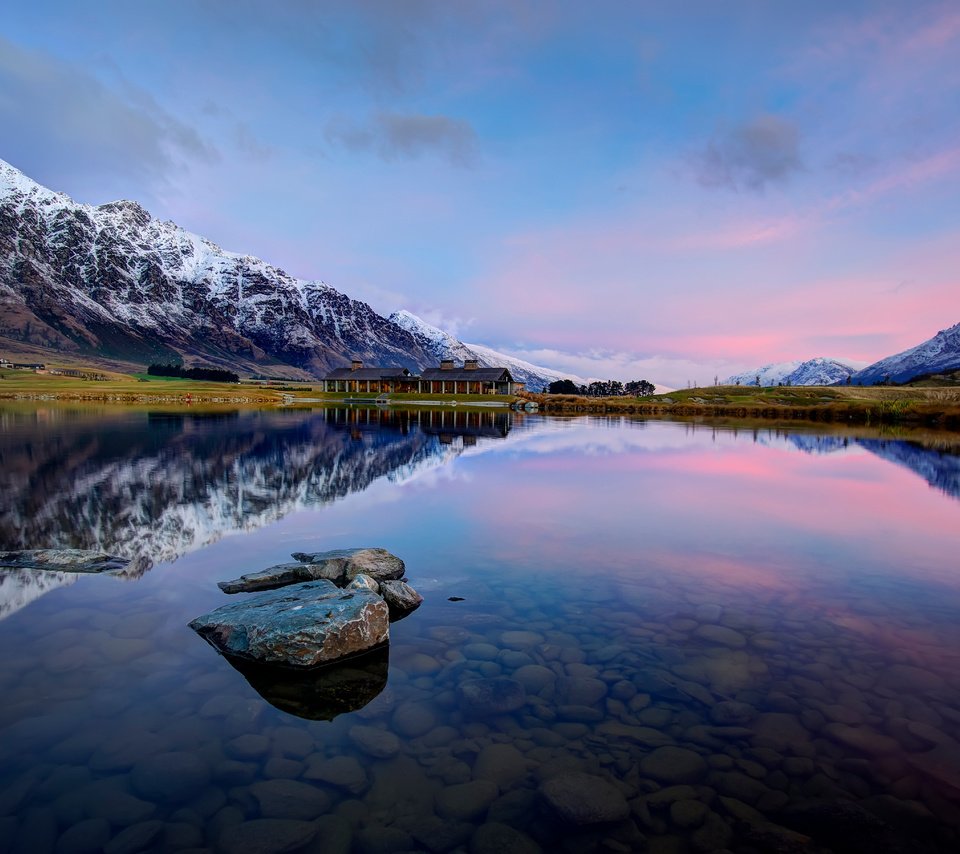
point(812, 372)
point(939, 354)
point(111, 282)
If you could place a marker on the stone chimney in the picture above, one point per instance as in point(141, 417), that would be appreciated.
point(470, 364)
point(446, 365)
point(355, 365)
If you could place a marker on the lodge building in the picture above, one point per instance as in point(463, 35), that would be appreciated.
point(470, 379)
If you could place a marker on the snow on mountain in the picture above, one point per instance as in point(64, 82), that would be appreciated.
point(111, 281)
point(20, 587)
point(818, 371)
point(444, 346)
point(940, 353)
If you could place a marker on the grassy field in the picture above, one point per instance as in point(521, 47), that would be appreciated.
point(143, 388)
point(937, 407)
point(125, 388)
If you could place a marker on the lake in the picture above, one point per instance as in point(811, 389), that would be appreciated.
point(725, 640)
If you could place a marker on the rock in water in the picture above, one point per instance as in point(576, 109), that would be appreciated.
point(302, 625)
point(63, 560)
point(496, 696)
point(584, 799)
point(379, 564)
point(400, 596)
point(281, 575)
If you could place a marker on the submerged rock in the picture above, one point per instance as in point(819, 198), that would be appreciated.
point(63, 560)
point(496, 696)
point(584, 799)
point(302, 625)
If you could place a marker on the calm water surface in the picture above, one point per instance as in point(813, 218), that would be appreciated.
point(724, 641)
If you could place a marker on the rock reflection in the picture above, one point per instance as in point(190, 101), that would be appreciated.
point(322, 693)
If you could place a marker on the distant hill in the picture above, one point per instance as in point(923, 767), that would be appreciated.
point(818, 371)
point(934, 356)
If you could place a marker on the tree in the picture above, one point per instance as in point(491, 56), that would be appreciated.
point(563, 387)
point(640, 388)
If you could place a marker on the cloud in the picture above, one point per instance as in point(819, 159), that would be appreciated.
point(399, 136)
point(67, 129)
point(762, 151)
point(664, 371)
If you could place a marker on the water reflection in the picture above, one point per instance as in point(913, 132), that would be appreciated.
point(155, 486)
point(938, 466)
point(668, 638)
point(321, 693)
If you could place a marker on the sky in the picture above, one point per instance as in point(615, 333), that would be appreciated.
point(663, 190)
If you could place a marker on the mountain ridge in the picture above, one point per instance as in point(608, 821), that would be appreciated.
point(112, 282)
point(817, 371)
point(936, 354)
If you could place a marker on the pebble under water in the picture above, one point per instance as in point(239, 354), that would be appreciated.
point(636, 636)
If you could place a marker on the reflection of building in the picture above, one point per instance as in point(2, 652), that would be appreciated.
point(470, 379)
point(433, 422)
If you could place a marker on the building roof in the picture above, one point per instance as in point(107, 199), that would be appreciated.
point(367, 373)
point(460, 375)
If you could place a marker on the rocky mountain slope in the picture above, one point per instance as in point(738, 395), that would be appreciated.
point(940, 353)
point(110, 281)
point(442, 345)
point(811, 372)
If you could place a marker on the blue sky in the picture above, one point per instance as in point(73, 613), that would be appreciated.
point(660, 190)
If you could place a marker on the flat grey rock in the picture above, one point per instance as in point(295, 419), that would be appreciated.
point(302, 625)
point(379, 564)
point(281, 575)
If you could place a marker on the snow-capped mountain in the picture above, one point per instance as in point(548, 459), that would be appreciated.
point(940, 353)
point(818, 371)
point(110, 281)
point(442, 345)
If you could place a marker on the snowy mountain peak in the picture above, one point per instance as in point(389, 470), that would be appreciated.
point(819, 371)
point(418, 326)
point(14, 184)
point(940, 353)
point(132, 212)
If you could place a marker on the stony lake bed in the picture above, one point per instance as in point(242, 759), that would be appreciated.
point(634, 636)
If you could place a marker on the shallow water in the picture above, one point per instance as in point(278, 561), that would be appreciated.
point(746, 641)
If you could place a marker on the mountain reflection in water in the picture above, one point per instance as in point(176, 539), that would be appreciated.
point(716, 638)
point(155, 486)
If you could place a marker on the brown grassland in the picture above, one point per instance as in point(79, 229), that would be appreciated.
point(934, 406)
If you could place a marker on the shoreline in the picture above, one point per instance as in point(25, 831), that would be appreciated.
point(932, 408)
